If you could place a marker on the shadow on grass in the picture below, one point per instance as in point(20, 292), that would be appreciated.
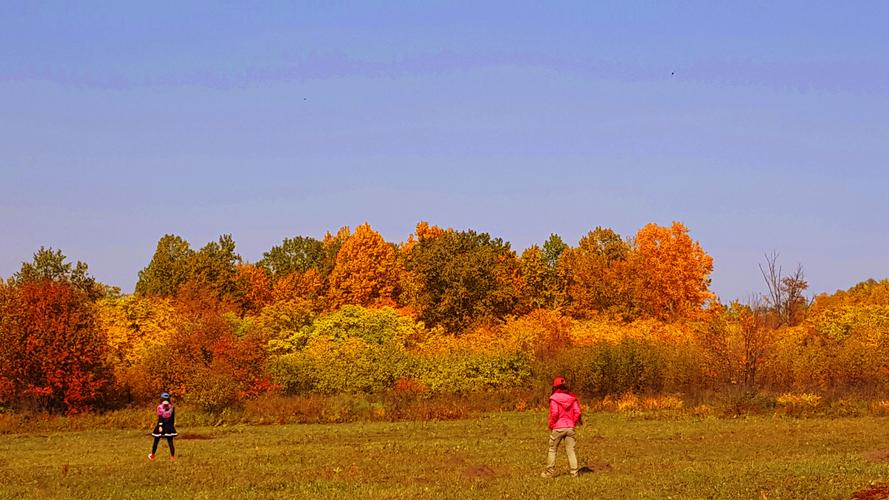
point(193, 436)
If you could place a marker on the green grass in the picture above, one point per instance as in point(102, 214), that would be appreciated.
point(497, 456)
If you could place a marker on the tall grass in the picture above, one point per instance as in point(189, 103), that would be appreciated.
point(408, 406)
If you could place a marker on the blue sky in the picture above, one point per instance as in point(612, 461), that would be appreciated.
point(762, 127)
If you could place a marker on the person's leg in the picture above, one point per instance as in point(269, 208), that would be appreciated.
point(154, 447)
point(569, 449)
point(555, 437)
point(172, 448)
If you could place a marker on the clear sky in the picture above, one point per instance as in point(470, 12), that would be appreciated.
point(762, 126)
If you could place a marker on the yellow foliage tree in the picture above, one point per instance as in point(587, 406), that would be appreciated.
point(135, 327)
point(133, 324)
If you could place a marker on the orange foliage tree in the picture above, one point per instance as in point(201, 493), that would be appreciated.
point(596, 274)
point(670, 273)
point(365, 271)
point(330, 247)
point(254, 288)
point(533, 285)
point(306, 286)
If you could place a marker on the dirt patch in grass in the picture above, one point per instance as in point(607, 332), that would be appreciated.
point(878, 492)
point(878, 455)
point(480, 472)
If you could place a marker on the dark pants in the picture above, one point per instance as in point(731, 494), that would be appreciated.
point(169, 442)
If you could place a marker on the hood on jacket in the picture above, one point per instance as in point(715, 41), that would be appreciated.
point(564, 399)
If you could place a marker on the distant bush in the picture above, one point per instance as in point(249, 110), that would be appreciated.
point(797, 405)
point(213, 392)
point(466, 372)
point(294, 373)
point(610, 369)
point(630, 402)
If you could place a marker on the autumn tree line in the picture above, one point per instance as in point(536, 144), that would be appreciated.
point(444, 312)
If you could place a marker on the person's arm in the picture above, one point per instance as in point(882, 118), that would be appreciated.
point(553, 413)
point(575, 411)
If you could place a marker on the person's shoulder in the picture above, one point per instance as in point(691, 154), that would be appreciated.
point(563, 397)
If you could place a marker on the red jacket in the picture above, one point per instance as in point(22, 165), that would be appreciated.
point(564, 410)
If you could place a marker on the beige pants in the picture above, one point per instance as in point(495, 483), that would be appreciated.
point(555, 437)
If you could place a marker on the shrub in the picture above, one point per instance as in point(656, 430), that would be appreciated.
point(542, 332)
point(466, 372)
point(797, 404)
point(603, 369)
point(880, 408)
point(213, 392)
point(353, 365)
point(295, 373)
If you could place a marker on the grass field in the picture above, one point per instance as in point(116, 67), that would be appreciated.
point(496, 456)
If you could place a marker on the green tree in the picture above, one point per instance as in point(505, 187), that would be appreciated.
point(464, 277)
point(50, 265)
point(553, 248)
point(293, 255)
point(168, 269)
point(555, 293)
point(215, 268)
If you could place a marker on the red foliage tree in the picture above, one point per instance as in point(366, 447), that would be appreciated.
point(53, 353)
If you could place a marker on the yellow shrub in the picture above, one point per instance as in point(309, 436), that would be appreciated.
point(628, 402)
point(702, 411)
point(880, 408)
point(797, 404)
point(805, 400)
point(662, 403)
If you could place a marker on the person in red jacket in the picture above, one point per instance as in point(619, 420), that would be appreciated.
point(564, 415)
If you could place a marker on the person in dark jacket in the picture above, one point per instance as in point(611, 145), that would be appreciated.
point(564, 415)
point(165, 427)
